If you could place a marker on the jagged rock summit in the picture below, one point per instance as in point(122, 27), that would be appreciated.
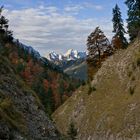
point(73, 63)
point(71, 54)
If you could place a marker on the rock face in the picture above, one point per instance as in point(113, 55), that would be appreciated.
point(109, 108)
point(22, 116)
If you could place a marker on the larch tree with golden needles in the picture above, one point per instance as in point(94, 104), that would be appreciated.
point(99, 48)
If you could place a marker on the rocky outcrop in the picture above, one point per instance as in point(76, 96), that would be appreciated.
point(22, 116)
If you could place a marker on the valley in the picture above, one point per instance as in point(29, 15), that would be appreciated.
point(73, 95)
point(73, 63)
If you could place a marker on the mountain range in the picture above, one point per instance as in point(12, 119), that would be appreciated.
point(73, 63)
point(71, 54)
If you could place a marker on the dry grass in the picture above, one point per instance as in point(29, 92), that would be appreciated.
point(111, 108)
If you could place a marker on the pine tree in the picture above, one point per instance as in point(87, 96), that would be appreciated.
point(5, 34)
point(118, 28)
point(1, 8)
point(72, 132)
point(50, 101)
point(61, 89)
point(3, 21)
point(133, 18)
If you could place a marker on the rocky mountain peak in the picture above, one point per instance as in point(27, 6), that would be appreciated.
point(71, 54)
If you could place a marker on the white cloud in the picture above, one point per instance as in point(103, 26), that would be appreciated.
point(47, 29)
point(94, 6)
point(76, 8)
point(98, 7)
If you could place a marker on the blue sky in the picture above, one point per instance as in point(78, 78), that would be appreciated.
point(59, 25)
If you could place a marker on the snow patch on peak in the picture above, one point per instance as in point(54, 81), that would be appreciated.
point(74, 54)
point(71, 54)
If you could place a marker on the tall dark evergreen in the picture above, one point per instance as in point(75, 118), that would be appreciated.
point(133, 18)
point(1, 8)
point(118, 27)
point(5, 34)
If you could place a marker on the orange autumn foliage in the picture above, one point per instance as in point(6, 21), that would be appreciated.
point(117, 43)
point(46, 84)
point(14, 57)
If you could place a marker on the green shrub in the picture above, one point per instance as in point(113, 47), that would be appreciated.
point(90, 89)
point(133, 78)
point(72, 132)
point(129, 73)
point(134, 66)
point(20, 67)
point(131, 90)
point(138, 61)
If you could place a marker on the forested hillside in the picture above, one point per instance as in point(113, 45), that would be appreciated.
point(52, 86)
point(22, 115)
point(39, 101)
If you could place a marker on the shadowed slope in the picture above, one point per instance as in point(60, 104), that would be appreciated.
point(22, 116)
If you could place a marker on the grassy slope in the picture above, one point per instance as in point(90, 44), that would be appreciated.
point(112, 111)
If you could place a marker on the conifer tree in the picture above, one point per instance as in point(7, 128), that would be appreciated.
point(5, 34)
point(3, 21)
point(50, 102)
point(118, 29)
point(72, 132)
point(1, 8)
point(133, 18)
